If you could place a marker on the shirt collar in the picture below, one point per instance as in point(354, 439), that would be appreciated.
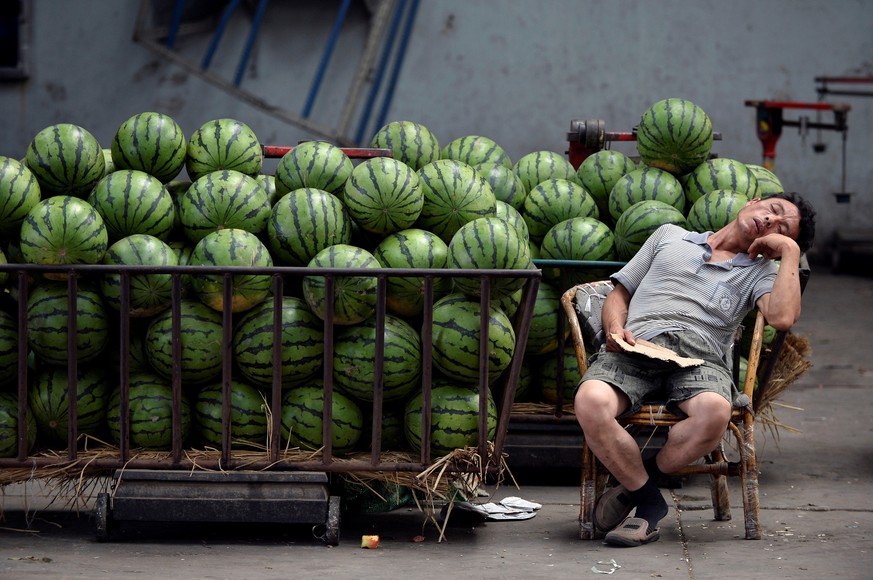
point(700, 238)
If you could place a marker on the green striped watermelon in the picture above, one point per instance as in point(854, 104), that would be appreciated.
point(313, 164)
point(545, 320)
point(137, 359)
point(231, 248)
point(9, 425)
point(489, 243)
point(768, 183)
point(674, 135)
point(133, 202)
point(412, 248)
point(475, 149)
point(201, 342)
point(639, 222)
point(598, 174)
point(107, 158)
point(50, 404)
point(553, 201)
point(355, 354)
point(302, 338)
point(151, 412)
point(354, 298)
point(412, 143)
point(513, 217)
point(63, 230)
point(715, 209)
point(222, 144)
point(505, 183)
point(248, 415)
point(149, 294)
point(303, 419)
point(720, 173)
point(223, 199)
point(19, 193)
point(454, 416)
point(524, 387)
point(303, 223)
point(456, 332)
point(642, 184)
point(539, 166)
point(383, 195)
point(150, 142)
point(8, 347)
point(66, 160)
point(48, 322)
point(547, 377)
point(584, 239)
point(454, 194)
point(268, 182)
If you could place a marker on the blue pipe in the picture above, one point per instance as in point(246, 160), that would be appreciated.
point(398, 63)
point(216, 38)
point(178, 10)
point(380, 72)
point(325, 58)
point(250, 41)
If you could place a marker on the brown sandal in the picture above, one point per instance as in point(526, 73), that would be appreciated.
point(612, 508)
point(632, 532)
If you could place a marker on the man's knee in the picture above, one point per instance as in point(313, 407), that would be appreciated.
point(713, 411)
point(597, 401)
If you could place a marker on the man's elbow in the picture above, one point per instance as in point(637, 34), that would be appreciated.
point(783, 322)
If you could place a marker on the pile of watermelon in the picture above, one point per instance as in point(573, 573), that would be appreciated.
point(157, 198)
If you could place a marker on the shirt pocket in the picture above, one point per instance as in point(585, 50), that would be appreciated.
point(724, 303)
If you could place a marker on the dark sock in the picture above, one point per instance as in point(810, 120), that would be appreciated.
point(651, 465)
point(650, 503)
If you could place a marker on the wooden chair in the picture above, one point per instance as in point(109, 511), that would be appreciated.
point(716, 463)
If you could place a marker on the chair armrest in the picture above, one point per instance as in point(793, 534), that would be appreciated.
point(568, 301)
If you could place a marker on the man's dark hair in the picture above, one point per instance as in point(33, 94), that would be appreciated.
point(807, 218)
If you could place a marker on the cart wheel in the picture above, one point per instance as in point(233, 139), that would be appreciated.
point(331, 533)
point(101, 514)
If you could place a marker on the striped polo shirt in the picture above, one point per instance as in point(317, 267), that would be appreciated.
point(673, 287)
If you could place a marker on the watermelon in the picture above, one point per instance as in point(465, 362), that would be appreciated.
point(584, 239)
point(456, 332)
point(383, 195)
point(151, 412)
point(19, 193)
point(355, 354)
point(524, 387)
point(412, 248)
point(354, 298)
point(475, 149)
point(539, 166)
point(640, 221)
point(768, 183)
point(513, 217)
point(553, 201)
point(674, 135)
point(107, 158)
point(393, 438)
point(505, 183)
point(9, 425)
point(715, 209)
point(548, 375)
point(8, 348)
point(454, 194)
point(200, 333)
point(150, 142)
point(720, 173)
point(133, 202)
point(248, 414)
point(268, 182)
point(66, 160)
point(642, 184)
point(63, 230)
point(303, 419)
point(489, 243)
point(303, 223)
point(545, 320)
point(454, 417)
point(149, 294)
point(302, 343)
point(48, 321)
point(412, 143)
point(313, 164)
point(223, 199)
point(49, 401)
point(598, 174)
point(231, 248)
point(222, 144)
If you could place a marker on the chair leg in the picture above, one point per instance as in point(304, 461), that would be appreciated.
point(588, 494)
point(718, 486)
point(750, 482)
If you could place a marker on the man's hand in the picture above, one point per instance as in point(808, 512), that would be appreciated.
point(773, 246)
point(612, 345)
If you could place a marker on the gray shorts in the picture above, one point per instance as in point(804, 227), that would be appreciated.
point(646, 380)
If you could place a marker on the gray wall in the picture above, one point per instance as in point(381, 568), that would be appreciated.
point(517, 71)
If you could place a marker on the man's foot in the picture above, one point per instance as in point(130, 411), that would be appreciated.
point(632, 532)
point(612, 508)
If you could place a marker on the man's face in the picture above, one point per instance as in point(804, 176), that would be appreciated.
point(761, 217)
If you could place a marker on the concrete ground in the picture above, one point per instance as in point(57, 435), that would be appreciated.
point(816, 511)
